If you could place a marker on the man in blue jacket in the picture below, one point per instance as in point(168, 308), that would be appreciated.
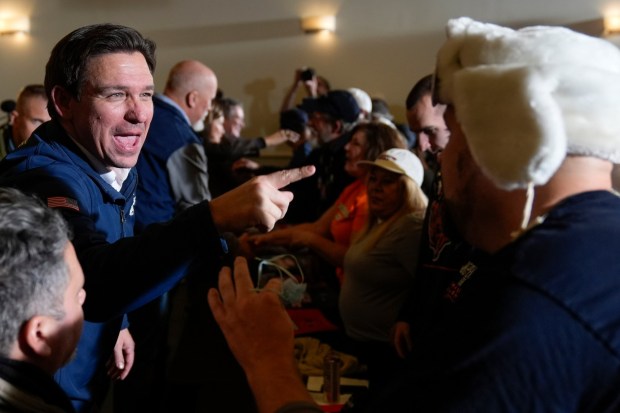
point(99, 82)
point(165, 187)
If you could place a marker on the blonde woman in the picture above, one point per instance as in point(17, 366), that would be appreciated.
point(379, 266)
point(330, 235)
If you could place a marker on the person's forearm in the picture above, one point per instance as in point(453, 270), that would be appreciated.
point(306, 226)
point(289, 99)
point(329, 250)
point(277, 385)
point(135, 270)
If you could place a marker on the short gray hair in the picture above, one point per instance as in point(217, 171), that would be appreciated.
point(33, 273)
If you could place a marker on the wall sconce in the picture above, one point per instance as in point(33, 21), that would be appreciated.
point(318, 24)
point(14, 25)
point(611, 24)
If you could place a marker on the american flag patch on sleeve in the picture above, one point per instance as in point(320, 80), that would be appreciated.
point(62, 202)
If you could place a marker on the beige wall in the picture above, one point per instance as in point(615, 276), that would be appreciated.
point(381, 46)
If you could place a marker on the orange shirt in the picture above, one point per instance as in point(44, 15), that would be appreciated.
point(352, 205)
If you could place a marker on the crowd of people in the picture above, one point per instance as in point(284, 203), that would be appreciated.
point(471, 252)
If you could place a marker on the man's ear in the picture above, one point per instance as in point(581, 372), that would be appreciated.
point(12, 116)
point(190, 99)
point(61, 99)
point(338, 127)
point(35, 335)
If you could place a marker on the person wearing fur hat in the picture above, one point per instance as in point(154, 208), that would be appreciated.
point(532, 321)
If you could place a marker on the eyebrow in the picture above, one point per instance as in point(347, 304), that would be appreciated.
point(120, 87)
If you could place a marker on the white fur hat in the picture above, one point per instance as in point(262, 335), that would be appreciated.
point(526, 98)
point(362, 98)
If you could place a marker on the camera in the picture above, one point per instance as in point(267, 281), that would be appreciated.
point(307, 74)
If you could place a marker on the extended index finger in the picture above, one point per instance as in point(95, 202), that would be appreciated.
point(280, 179)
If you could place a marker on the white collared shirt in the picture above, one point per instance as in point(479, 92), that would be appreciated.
point(113, 176)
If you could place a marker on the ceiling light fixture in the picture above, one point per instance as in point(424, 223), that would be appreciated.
point(612, 24)
point(14, 25)
point(318, 24)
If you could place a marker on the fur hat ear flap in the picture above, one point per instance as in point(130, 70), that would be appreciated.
point(513, 124)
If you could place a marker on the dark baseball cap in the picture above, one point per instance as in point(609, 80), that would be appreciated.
point(294, 119)
point(339, 104)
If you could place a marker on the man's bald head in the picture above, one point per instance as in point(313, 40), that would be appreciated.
point(192, 85)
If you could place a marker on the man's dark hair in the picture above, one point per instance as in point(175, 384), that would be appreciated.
point(422, 88)
point(31, 91)
point(71, 55)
